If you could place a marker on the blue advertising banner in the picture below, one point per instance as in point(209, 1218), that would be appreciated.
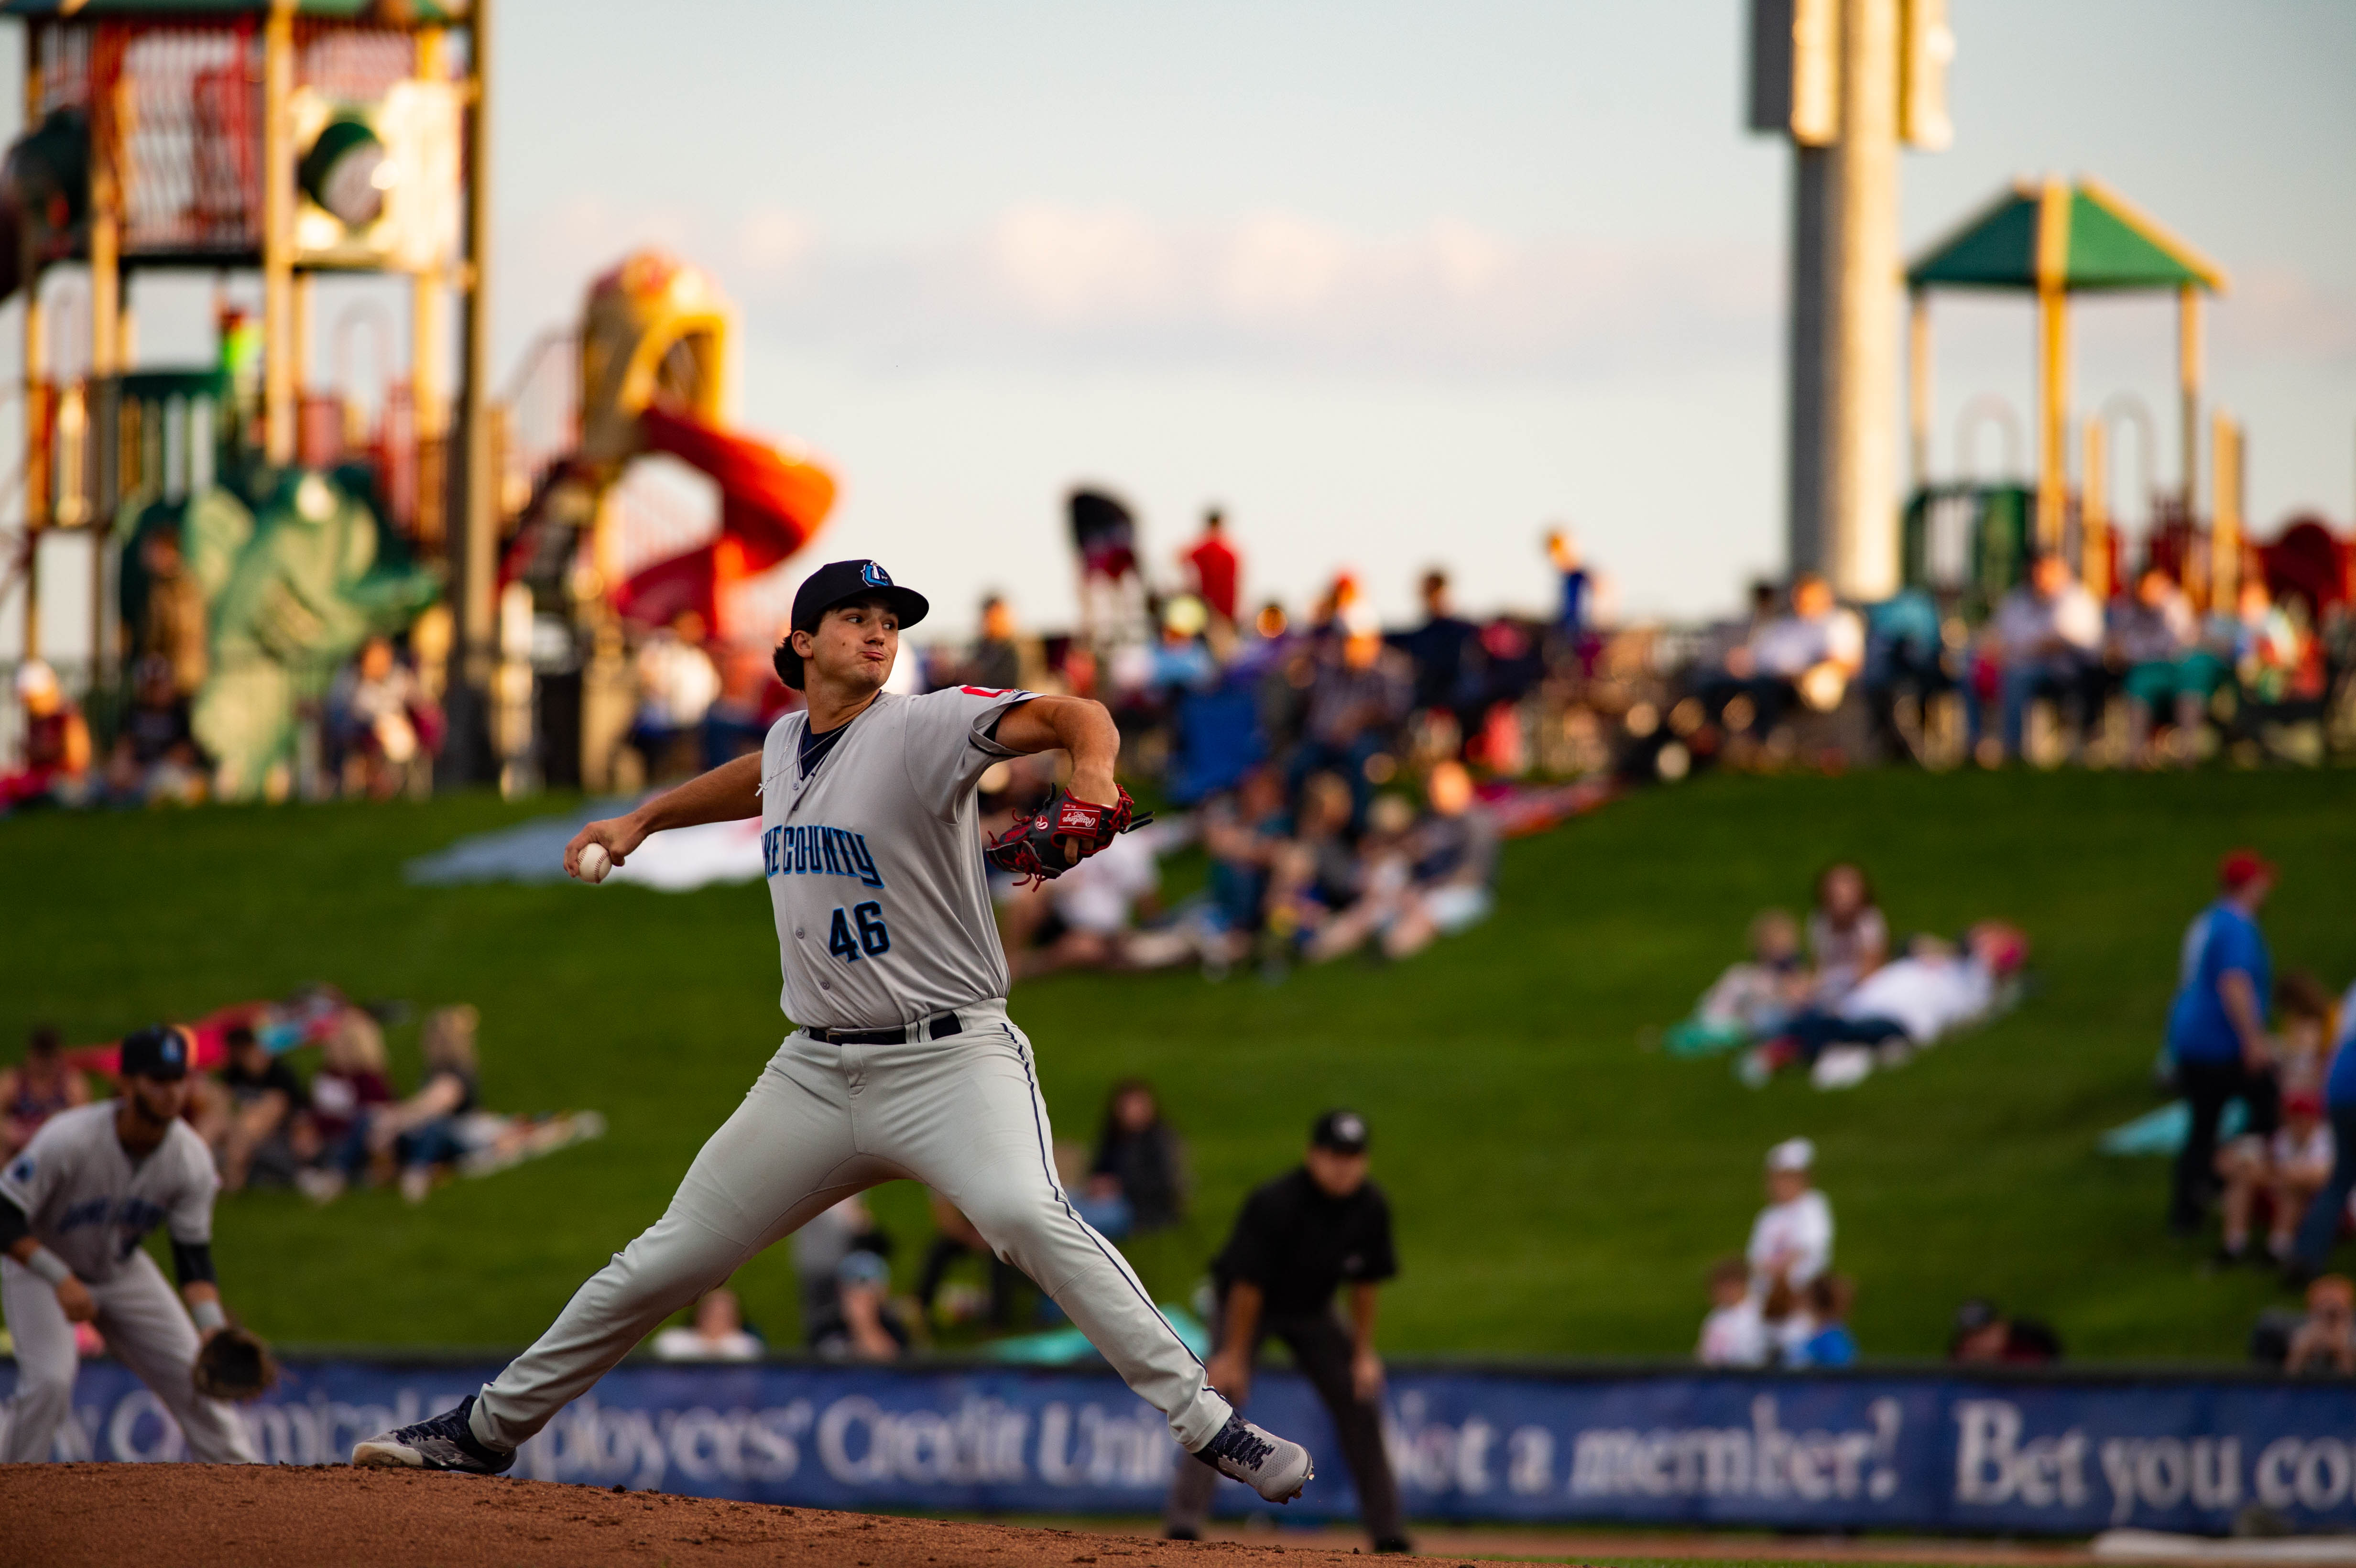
point(1929, 1451)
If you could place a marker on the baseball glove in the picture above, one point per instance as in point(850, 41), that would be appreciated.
point(234, 1365)
point(1061, 833)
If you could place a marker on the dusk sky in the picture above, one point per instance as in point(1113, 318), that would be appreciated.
point(1396, 285)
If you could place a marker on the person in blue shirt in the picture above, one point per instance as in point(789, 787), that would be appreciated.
point(2217, 1028)
point(2321, 1226)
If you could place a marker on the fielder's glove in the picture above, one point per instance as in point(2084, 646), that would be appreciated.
point(234, 1365)
point(1061, 833)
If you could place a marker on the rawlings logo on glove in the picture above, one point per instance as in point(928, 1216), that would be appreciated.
point(1063, 833)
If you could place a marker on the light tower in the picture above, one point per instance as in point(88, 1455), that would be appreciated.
point(1847, 80)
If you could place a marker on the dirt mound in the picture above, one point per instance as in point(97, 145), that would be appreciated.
point(199, 1516)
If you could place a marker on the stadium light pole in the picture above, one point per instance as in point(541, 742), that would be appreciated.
point(1848, 80)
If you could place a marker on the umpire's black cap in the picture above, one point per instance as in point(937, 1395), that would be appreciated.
point(833, 584)
point(159, 1050)
point(1344, 1132)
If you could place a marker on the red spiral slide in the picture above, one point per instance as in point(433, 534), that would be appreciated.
point(770, 506)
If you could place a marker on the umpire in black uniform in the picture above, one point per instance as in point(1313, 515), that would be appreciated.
point(1298, 1241)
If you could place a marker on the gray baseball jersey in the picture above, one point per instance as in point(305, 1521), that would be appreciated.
point(875, 861)
point(91, 1204)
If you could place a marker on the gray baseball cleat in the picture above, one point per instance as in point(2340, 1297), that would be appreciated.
point(445, 1442)
point(1269, 1464)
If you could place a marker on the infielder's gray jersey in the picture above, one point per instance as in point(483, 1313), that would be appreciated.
point(875, 861)
point(91, 1204)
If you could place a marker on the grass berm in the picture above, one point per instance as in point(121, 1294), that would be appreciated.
point(1560, 1188)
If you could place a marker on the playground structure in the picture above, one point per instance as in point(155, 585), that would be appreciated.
point(649, 374)
point(1970, 537)
point(294, 141)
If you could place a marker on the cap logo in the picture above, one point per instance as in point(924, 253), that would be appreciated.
point(1350, 1128)
point(873, 575)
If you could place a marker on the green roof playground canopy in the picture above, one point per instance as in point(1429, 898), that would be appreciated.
point(2044, 235)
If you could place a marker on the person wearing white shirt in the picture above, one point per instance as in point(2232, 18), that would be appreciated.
point(1734, 1334)
point(1813, 652)
point(718, 1333)
point(1791, 1242)
point(2048, 635)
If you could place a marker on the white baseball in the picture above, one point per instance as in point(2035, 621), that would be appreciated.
point(594, 863)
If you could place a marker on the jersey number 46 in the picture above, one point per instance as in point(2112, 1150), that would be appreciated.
point(872, 940)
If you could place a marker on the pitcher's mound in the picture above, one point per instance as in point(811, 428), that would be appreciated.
point(230, 1516)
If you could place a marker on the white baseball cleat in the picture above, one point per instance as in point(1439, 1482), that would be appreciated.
point(1269, 1464)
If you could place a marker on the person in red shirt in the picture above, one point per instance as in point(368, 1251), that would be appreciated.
point(1219, 570)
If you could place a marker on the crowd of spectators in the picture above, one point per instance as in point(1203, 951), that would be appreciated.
point(1206, 685)
point(2140, 680)
point(269, 1123)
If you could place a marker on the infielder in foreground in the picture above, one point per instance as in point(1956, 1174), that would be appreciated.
point(907, 1064)
point(74, 1206)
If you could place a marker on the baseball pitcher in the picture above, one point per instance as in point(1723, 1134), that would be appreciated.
point(905, 1064)
point(74, 1206)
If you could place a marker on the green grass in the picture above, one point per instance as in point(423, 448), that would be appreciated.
point(1560, 1188)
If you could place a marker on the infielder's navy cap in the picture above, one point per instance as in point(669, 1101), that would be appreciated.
point(159, 1050)
point(1344, 1132)
point(834, 583)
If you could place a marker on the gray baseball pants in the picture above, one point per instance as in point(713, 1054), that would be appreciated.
point(962, 1114)
point(148, 1330)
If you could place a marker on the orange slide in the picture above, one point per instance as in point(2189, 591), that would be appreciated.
point(770, 505)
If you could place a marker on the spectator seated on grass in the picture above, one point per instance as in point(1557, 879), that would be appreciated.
point(1900, 1008)
point(2149, 646)
point(345, 1095)
point(1808, 655)
point(956, 1239)
point(57, 756)
point(2328, 1209)
point(841, 1258)
point(2046, 640)
point(715, 1333)
point(1791, 1244)
point(1984, 1336)
point(2281, 1173)
point(1847, 937)
point(1358, 694)
point(1317, 875)
point(427, 1130)
point(383, 724)
point(155, 759)
point(36, 1089)
point(1829, 1342)
point(254, 1142)
point(1243, 832)
point(2326, 1341)
point(1734, 1334)
point(1138, 1175)
point(1753, 1000)
point(1417, 878)
point(1089, 917)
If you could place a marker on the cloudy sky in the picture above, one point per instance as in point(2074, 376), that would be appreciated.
point(1396, 284)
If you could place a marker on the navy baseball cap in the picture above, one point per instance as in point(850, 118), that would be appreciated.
point(1344, 1132)
point(837, 582)
point(159, 1050)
